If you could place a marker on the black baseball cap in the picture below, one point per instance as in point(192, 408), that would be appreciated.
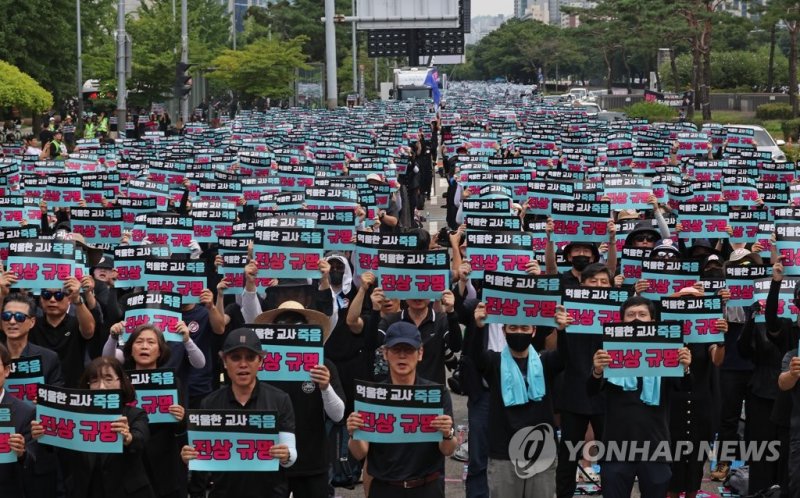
point(242, 338)
point(403, 333)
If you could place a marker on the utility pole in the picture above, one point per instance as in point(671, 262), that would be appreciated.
point(122, 107)
point(79, 120)
point(330, 54)
point(184, 58)
point(355, 50)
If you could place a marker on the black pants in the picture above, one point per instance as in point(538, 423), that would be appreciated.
point(314, 486)
point(380, 489)
point(573, 431)
point(733, 389)
point(618, 479)
point(763, 474)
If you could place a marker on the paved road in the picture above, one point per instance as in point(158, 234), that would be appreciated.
point(454, 486)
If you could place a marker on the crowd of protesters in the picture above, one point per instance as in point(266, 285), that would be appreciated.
point(515, 375)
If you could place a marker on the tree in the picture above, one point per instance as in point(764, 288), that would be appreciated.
point(156, 44)
point(17, 89)
point(264, 68)
point(789, 12)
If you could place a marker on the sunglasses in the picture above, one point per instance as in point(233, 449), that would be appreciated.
point(58, 295)
point(18, 316)
point(248, 357)
point(644, 238)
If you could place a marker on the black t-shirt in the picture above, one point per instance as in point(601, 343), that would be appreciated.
point(253, 484)
point(66, 340)
point(312, 449)
point(577, 352)
point(407, 461)
point(794, 394)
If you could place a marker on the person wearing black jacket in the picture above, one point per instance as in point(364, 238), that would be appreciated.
point(576, 407)
point(93, 475)
point(16, 478)
point(636, 416)
point(518, 377)
point(767, 409)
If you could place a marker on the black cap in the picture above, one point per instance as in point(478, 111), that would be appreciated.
point(242, 338)
point(106, 262)
point(403, 333)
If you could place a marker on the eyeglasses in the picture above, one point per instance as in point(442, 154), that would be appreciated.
point(58, 295)
point(107, 381)
point(248, 357)
point(644, 238)
point(18, 316)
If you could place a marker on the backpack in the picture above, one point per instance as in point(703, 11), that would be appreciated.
point(345, 470)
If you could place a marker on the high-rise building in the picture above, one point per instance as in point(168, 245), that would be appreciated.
point(482, 26)
point(520, 6)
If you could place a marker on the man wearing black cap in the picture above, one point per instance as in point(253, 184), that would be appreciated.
point(241, 356)
point(105, 277)
point(398, 467)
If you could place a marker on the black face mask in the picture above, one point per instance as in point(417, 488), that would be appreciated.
point(714, 273)
point(336, 277)
point(581, 262)
point(518, 342)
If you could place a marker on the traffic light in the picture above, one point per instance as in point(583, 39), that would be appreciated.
point(183, 80)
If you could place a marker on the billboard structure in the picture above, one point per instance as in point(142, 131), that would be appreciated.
point(408, 14)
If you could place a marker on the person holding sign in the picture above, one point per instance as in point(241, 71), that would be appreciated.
point(576, 407)
point(692, 411)
point(767, 410)
point(518, 399)
point(18, 320)
point(637, 410)
point(315, 401)
point(787, 381)
point(397, 467)
point(242, 357)
point(15, 476)
point(145, 351)
point(123, 474)
point(63, 332)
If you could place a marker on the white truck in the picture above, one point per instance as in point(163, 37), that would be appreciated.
point(409, 83)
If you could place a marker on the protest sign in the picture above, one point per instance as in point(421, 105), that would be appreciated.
point(63, 190)
point(185, 277)
point(156, 391)
point(290, 352)
point(398, 414)
point(631, 263)
point(592, 307)
point(666, 276)
point(129, 262)
point(787, 232)
point(703, 220)
point(541, 193)
point(628, 192)
point(414, 275)
point(233, 440)
point(8, 234)
point(339, 226)
point(233, 264)
point(583, 221)
point(213, 219)
point(79, 419)
point(368, 244)
point(24, 377)
point(744, 224)
point(42, 263)
point(507, 252)
point(7, 428)
point(97, 225)
point(288, 252)
point(643, 349)
point(493, 222)
point(162, 310)
point(521, 299)
point(698, 315)
point(170, 229)
point(786, 307)
point(740, 280)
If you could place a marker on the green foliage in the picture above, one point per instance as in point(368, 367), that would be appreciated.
point(730, 70)
point(156, 44)
point(264, 68)
point(652, 111)
point(774, 111)
point(17, 89)
point(791, 129)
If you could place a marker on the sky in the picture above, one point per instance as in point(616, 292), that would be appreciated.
point(492, 7)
